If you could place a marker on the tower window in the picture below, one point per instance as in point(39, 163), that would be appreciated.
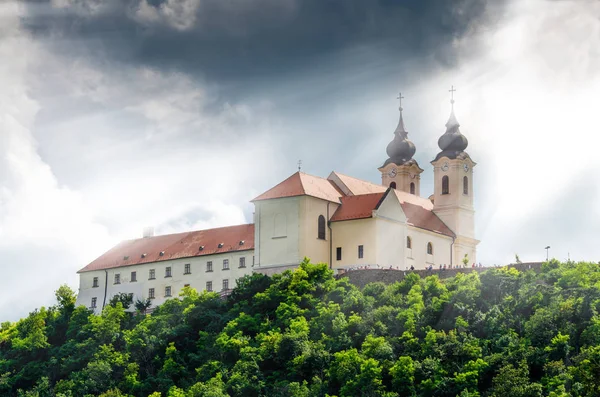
point(445, 185)
point(338, 253)
point(429, 249)
point(321, 228)
point(412, 188)
point(408, 243)
point(465, 185)
point(393, 185)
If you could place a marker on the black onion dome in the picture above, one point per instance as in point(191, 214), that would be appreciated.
point(400, 150)
point(452, 143)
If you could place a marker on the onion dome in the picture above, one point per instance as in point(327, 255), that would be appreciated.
point(453, 143)
point(400, 150)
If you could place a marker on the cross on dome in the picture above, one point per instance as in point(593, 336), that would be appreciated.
point(452, 90)
point(400, 97)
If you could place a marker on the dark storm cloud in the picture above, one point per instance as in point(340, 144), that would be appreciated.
point(239, 40)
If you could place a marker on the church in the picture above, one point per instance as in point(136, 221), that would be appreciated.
point(339, 220)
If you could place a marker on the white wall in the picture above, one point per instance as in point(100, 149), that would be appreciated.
point(274, 244)
point(197, 279)
point(418, 257)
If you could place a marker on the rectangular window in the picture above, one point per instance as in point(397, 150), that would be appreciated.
point(361, 252)
point(209, 286)
point(187, 269)
point(209, 266)
point(95, 283)
point(151, 293)
point(151, 274)
point(243, 261)
point(133, 277)
point(94, 300)
point(118, 278)
point(167, 291)
point(338, 253)
point(168, 271)
point(185, 285)
point(225, 264)
point(252, 260)
point(225, 284)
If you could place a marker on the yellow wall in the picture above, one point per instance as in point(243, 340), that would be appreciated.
point(349, 235)
point(310, 246)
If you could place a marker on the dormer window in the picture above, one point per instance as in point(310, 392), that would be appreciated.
point(143, 256)
point(162, 253)
point(201, 248)
point(220, 245)
point(242, 242)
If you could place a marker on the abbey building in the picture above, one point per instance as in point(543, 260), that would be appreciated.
point(339, 220)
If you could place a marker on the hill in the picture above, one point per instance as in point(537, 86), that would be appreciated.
point(498, 333)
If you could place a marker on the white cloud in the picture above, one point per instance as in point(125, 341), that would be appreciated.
point(92, 152)
point(528, 106)
point(177, 14)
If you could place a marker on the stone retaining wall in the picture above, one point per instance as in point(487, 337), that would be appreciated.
point(362, 277)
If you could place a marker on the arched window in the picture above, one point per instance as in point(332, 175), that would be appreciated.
point(429, 249)
point(321, 227)
point(465, 185)
point(408, 242)
point(412, 188)
point(393, 185)
point(445, 185)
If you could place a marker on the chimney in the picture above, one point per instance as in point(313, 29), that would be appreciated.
point(148, 232)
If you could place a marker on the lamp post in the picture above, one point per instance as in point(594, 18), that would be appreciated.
point(547, 248)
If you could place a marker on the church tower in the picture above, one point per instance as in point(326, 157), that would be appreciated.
point(453, 189)
point(400, 170)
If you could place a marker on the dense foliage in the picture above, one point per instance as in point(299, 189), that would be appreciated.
point(501, 333)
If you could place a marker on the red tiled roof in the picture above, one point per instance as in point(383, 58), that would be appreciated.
point(357, 207)
point(174, 246)
point(405, 197)
point(301, 184)
point(358, 186)
point(425, 219)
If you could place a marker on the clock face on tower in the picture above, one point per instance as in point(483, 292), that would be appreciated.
point(392, 172)
point(445, 166)
point(466, 167)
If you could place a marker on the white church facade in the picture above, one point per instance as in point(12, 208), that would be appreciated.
point(339, 220)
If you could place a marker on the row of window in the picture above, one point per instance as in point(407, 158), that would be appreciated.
point(446, 185)
point(361, 249)
point(429, 246)
point(168, 272)
point(168, 291)
point(338, 252)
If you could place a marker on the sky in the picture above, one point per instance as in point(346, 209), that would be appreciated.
point(121, 114)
